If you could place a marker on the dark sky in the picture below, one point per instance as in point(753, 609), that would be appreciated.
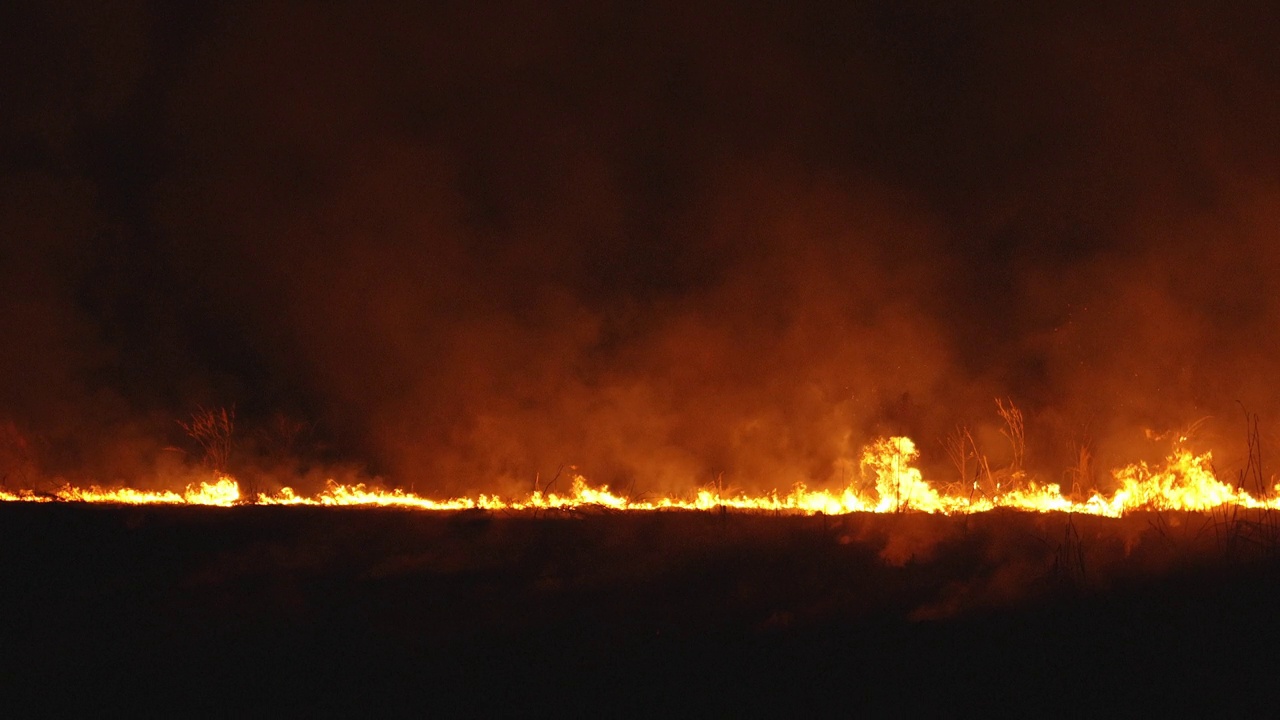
point(468, 243)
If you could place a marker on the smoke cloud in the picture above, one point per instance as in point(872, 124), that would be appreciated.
point(463, 247)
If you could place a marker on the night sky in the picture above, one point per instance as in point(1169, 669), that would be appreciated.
point(462, 245)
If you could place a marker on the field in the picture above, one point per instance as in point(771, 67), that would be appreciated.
point(321, 611)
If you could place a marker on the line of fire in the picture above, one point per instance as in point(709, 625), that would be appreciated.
point(889, 482)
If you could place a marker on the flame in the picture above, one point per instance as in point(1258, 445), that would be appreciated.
point(890, 483)
point(1186, 483)
point(223, 492)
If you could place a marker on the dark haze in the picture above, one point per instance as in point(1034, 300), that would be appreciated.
point(461, 245)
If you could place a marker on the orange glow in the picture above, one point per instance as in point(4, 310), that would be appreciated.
point(224, 492)
point(889, 482)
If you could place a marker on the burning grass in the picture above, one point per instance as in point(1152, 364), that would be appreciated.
point(889, 482)
point(889, 594)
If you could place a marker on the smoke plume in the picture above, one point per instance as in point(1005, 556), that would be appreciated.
point(465, 246)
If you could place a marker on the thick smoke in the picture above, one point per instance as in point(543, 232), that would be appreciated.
point(464, 247)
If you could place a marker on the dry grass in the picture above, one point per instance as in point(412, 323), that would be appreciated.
point(1081, 477)
point(962, 451)
point(1250, 531)
point(212, 430)
point(1014, 430)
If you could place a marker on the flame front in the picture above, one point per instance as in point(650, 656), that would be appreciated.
point(892, 484)
point(224, 492)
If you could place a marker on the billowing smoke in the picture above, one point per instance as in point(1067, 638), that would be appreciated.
point(464, 247)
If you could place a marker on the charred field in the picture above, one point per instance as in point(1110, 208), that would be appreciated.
point(319, 611)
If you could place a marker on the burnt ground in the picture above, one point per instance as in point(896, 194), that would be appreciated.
point(357, 612)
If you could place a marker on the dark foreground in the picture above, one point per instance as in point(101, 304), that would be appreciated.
point(350, 612)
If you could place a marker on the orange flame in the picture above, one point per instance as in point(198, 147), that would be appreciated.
point(1185, 482)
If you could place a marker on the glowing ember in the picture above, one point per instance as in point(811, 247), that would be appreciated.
point(890, 483)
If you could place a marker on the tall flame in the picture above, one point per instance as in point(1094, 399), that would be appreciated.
point(892, 484)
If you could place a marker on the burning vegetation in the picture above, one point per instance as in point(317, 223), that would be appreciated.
point(620, 321)
point(887, 481)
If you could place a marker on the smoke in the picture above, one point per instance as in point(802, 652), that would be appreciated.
point(466, 247)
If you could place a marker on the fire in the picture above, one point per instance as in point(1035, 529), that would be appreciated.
point(224, 492)
point(1187, 482)
point(889, 483)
